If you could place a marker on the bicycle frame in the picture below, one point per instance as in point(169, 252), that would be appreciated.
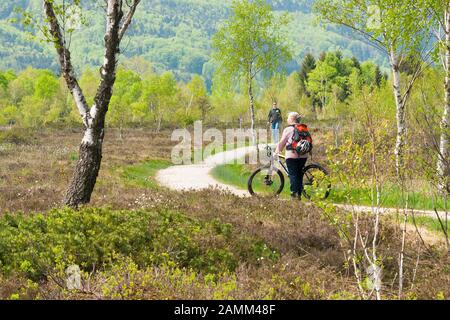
point(272, 161)
point(273, 170)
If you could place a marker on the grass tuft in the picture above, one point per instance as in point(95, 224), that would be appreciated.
point(142, 174)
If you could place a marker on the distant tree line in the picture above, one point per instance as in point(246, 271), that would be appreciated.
point(37, 97)
point(174, 34)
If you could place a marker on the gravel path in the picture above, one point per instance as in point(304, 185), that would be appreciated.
point(198, 177)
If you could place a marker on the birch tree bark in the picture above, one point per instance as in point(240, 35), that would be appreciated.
point(400, 111)
point(252, 111)
point(90, 151)
point(399, 28)
point(443, 157)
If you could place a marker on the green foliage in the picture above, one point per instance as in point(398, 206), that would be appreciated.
point(18, 136)
point(308, 65)
point(160, 95)
point(89, 81)
point(127, 90)
point(6, 78)
point(251, 41)
point(198, 98)
point(225, 97)
point(390, 24)
point(35, 98)
point(334, 78)
point(126, 280)
point(262, 251)
point(37, 245)
point(141, 97)
point(173, 35)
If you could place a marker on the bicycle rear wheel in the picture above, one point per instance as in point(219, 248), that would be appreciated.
point(316, 182)
point(265, 183)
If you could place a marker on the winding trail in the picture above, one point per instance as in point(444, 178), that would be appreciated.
point(198, 177)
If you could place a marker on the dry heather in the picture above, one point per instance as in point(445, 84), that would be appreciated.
point(35, 172)
point(309, 261)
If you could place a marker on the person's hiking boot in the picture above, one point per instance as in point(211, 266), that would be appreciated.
point(294, 195)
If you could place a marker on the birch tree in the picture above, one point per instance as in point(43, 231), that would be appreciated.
point(440, 16)
point(395, 27)
point(249, 42)
point(58, 31)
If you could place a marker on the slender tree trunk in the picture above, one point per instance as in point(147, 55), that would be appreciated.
point(252, 112)
point(376, 229)
point(121, 132)
point(443, 157)
point(400, 113)
point(158, 124)
point(355, 257)
point(252, 115)
point(402, 252)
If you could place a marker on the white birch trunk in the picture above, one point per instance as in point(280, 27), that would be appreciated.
point(252, 114)
point(400, 112)
point(252, 110)
point(90, 152)
point(443, 157)
point(402, 255)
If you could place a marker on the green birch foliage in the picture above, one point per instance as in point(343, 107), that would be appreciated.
point(397, 24)
point(252, 40)
point(127, 89)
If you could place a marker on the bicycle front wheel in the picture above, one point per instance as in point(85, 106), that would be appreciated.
point(266, 182)
point(316, 182)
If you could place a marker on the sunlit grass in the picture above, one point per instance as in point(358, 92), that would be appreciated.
point(391, 197)
point(238, 174)
point(143, 174)
point(429, 223)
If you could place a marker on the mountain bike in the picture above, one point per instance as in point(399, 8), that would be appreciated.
point(269, 179)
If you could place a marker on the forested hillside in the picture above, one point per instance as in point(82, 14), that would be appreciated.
point(172, 34)
point(129, 166)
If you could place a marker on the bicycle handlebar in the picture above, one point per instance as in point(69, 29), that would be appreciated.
point(270, 153)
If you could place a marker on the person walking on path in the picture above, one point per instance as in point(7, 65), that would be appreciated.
point(275, 120)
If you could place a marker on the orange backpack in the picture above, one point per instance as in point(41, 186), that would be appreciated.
point(301, 133)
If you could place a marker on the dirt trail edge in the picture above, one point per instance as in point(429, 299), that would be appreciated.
point(198, 177)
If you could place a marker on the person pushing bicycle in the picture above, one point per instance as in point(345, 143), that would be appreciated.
point(298, 144)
